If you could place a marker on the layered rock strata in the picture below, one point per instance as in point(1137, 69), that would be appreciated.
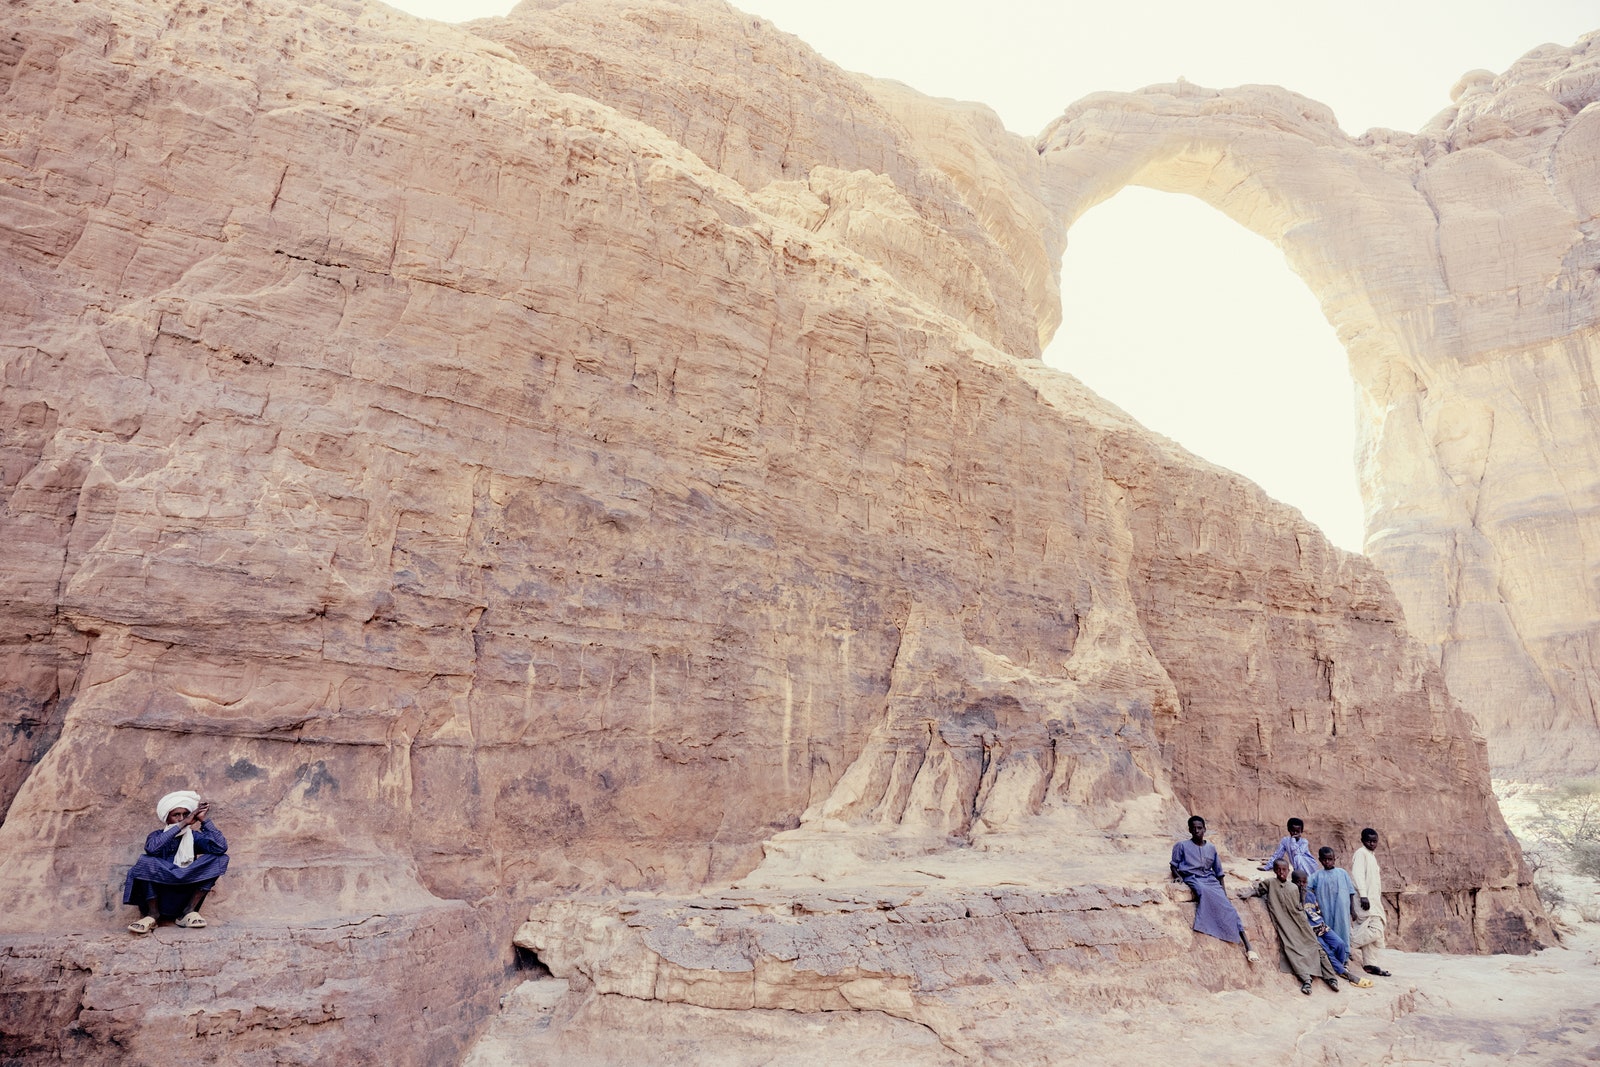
point(915, 955)
point(373, 989)
point(417, 443)
point(1458, 265)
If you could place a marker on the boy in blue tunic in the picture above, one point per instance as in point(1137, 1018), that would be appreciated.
point(1196, 864)
point(181, 863)
point(1337, 891)
point(1294, 848)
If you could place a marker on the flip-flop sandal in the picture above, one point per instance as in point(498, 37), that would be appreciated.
point(1252, 956)
point(1305, 987)
point(192, 921)
point(142, 926)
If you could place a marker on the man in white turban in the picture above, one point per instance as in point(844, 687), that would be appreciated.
point(181, 863)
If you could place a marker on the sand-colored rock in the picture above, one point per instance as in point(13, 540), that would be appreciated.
point(360, 989)
point(955, 961)
point(426, 443)
point(761, 107)
point(1458, 266)
point(1443, 1011)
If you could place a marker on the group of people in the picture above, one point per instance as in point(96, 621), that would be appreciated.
point(1321, 911)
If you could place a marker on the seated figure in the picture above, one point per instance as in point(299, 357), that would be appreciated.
point(1195, 863)
point(181, 863)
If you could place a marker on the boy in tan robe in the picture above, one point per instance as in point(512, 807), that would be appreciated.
point(1306, 958)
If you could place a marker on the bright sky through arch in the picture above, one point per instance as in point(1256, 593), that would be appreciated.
point(1374, 62)
point(1241, 358)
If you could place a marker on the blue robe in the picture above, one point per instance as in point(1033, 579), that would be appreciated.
point(1298, 853)
point(154, 873)
point(1201, 870)
point(1334, 889)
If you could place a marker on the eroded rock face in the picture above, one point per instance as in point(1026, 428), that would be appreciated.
point(412, 988)
point(427, 445)
point(761, 107)
point(1458, 265)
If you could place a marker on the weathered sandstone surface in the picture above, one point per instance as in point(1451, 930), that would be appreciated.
point(599, 460)
point(1459, 265)
point(371, 989)
point(1446, 1011)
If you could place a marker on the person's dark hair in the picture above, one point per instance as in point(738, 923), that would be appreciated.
point(1324, 851)
point(1296, 823)
point(1195, 819)
point(1367, 831)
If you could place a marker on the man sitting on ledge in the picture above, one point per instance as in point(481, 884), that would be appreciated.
point(181, 863)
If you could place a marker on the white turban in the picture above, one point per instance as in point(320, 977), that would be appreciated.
point(183, 798)
point(189, 801)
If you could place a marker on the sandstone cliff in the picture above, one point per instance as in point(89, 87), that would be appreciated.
point(602, 452)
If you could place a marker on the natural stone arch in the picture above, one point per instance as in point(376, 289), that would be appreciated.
point(1277, 164)
point(1451, 263)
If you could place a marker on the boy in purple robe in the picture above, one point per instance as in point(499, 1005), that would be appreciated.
point(1196, 864)
point(181, 863)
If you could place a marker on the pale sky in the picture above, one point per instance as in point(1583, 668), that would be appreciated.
point(1188, 322)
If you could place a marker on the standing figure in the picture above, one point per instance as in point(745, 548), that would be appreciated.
point(1336, 893)
point(181, 863)
point(1294, 848)
point(1196, 864)
point(1368, 935)
point(1300, 945)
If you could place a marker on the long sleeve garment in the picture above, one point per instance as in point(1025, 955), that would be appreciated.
point(1366, 876)
point(156, 866)
point(1200, 868)
point(1300, 945)
point(1337, 894)
point(1298, 852)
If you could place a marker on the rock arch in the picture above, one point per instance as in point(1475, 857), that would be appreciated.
point(1458, 266)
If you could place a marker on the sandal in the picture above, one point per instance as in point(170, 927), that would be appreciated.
point(1305, 987)
point(192, 921)
point(142, 926)
point(1252, 956)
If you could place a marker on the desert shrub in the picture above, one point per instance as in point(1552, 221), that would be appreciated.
point(1568, 825)
point(1550, 894)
